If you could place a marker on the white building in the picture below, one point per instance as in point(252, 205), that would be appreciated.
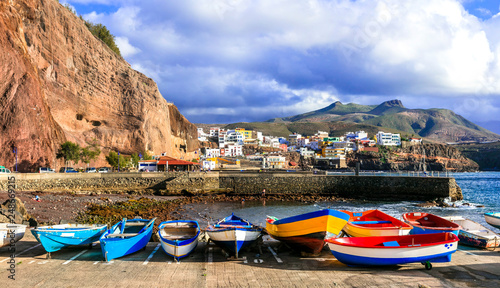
point(202, 136)
point(292, 139)
point(274, 162)
point(358, 135)
point(321, 134)
point(233, 150)
point(388, 139)
point(209, 165)
point(306, 153)
point(212, 153)
point(302, 142)
point(214, 132)
point(233, 137)
point(346, 145)
point(313, 145)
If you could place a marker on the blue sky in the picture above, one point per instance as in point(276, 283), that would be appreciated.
point(223, 61)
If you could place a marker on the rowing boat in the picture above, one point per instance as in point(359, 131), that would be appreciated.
point(179, 238)
point(126, 237)
point(307, 232)
point(394, 250)
point(426, 223)
point(54, 238)
point(11, 233)
point(374, 223)
point(493, 219)
point(475, 234)
point(233, 233)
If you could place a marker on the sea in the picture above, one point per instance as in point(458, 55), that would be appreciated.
point(481, 191)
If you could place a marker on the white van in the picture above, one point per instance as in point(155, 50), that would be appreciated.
point(46, 170)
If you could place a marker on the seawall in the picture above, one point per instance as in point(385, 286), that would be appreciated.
point(395, 188)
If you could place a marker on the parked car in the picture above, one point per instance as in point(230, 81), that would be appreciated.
point(4, 170)
point(90, 170)
point(104, 170)
point(67, 170)
point(45, 170)
point(143, 170)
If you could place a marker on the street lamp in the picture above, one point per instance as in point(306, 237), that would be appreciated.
point(15, 152)
point(118, 161)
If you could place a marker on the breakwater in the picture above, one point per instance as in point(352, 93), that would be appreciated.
point(243, 183)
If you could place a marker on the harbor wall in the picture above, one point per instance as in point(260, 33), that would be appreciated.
point(395, 188)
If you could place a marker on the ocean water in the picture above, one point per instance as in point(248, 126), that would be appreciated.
point(481, 194)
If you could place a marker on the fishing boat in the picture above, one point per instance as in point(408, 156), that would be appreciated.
point(426, 223)
point(179, 238)
point(54, 238)
point(374, 223)
point(307, 232)
point(11, 233)
point(493, 219)
point(394, 250)
point(475, 234)
point(126, 237)
point(233, 233)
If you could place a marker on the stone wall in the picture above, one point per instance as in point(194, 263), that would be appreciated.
point(175, 183)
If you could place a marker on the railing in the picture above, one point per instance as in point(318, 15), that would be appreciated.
point(396, 173)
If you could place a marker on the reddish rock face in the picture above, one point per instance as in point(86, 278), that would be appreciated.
point(58, 82)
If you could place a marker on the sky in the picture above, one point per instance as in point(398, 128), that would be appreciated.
point(225, 61)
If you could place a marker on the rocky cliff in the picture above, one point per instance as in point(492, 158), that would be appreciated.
point(58, 82)
point(427, 157)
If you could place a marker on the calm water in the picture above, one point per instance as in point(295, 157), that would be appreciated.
point(478, 189)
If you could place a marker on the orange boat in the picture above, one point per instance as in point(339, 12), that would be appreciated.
point(374, 223)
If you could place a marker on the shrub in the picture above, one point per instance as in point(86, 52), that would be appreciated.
point(100, 31)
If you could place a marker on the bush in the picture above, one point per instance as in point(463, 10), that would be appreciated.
point(100, 31)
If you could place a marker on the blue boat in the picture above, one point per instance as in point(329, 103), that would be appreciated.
point(126, 237)
point(54, 238)
point(233, 233)
point(179, 238)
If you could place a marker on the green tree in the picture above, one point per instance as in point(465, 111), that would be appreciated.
point(112, 159)
point(135, 159)
point(91, 152)
point(100, 31)
point(146, 156)
point(69, 151)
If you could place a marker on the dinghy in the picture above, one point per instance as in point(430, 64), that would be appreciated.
point(426, 223)
point(11, 233)
point(233, 233)
point(475, 234)
point(307, 232)
point(126, 237)
point(54, 238)
point(493, 219)
point(394, 250)
point(374, 223)
point(179, 238)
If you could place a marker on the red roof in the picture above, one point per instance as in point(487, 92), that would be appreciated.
point(172, 161)
point(293, 163)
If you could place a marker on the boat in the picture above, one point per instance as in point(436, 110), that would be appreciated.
point(54, 238)
point(307, 232)
point(179, 238)
point(6, 232)
point(126, 237)
point(233, 233)
point(374, 223)
point(426, 223)
point(394, 250)
point(493, 219)
point(475, 234)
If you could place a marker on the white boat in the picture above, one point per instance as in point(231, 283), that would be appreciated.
point(7, 230)
point(493, 219)
point(475, 234)
point(179, 238)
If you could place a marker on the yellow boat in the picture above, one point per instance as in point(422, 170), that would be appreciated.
point(374, 223)
point(306, 232)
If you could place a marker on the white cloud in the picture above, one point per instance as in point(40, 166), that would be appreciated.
point(306, 53)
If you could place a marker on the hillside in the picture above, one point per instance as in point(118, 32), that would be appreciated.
point(487, 155)
point(59, 82)
point(440, 125)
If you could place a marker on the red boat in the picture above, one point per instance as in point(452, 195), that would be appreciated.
point(426, 223)
point(374, 223)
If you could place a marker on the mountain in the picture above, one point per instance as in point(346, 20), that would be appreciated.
point(58, 82)
point(439, 125)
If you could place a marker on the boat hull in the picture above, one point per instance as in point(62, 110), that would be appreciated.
point(306, 232)
point(7, 230)
point(179, 248)
point(379, 224)
point(493, 219)
point(369, 255)
point(234, 239)
point(113, 248)
point(426, 223)
point(54, 238)
point(474, 234)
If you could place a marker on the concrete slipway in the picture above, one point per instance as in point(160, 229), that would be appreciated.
point(208, 267)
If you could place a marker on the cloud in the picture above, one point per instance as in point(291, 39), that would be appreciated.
point(262, 59)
